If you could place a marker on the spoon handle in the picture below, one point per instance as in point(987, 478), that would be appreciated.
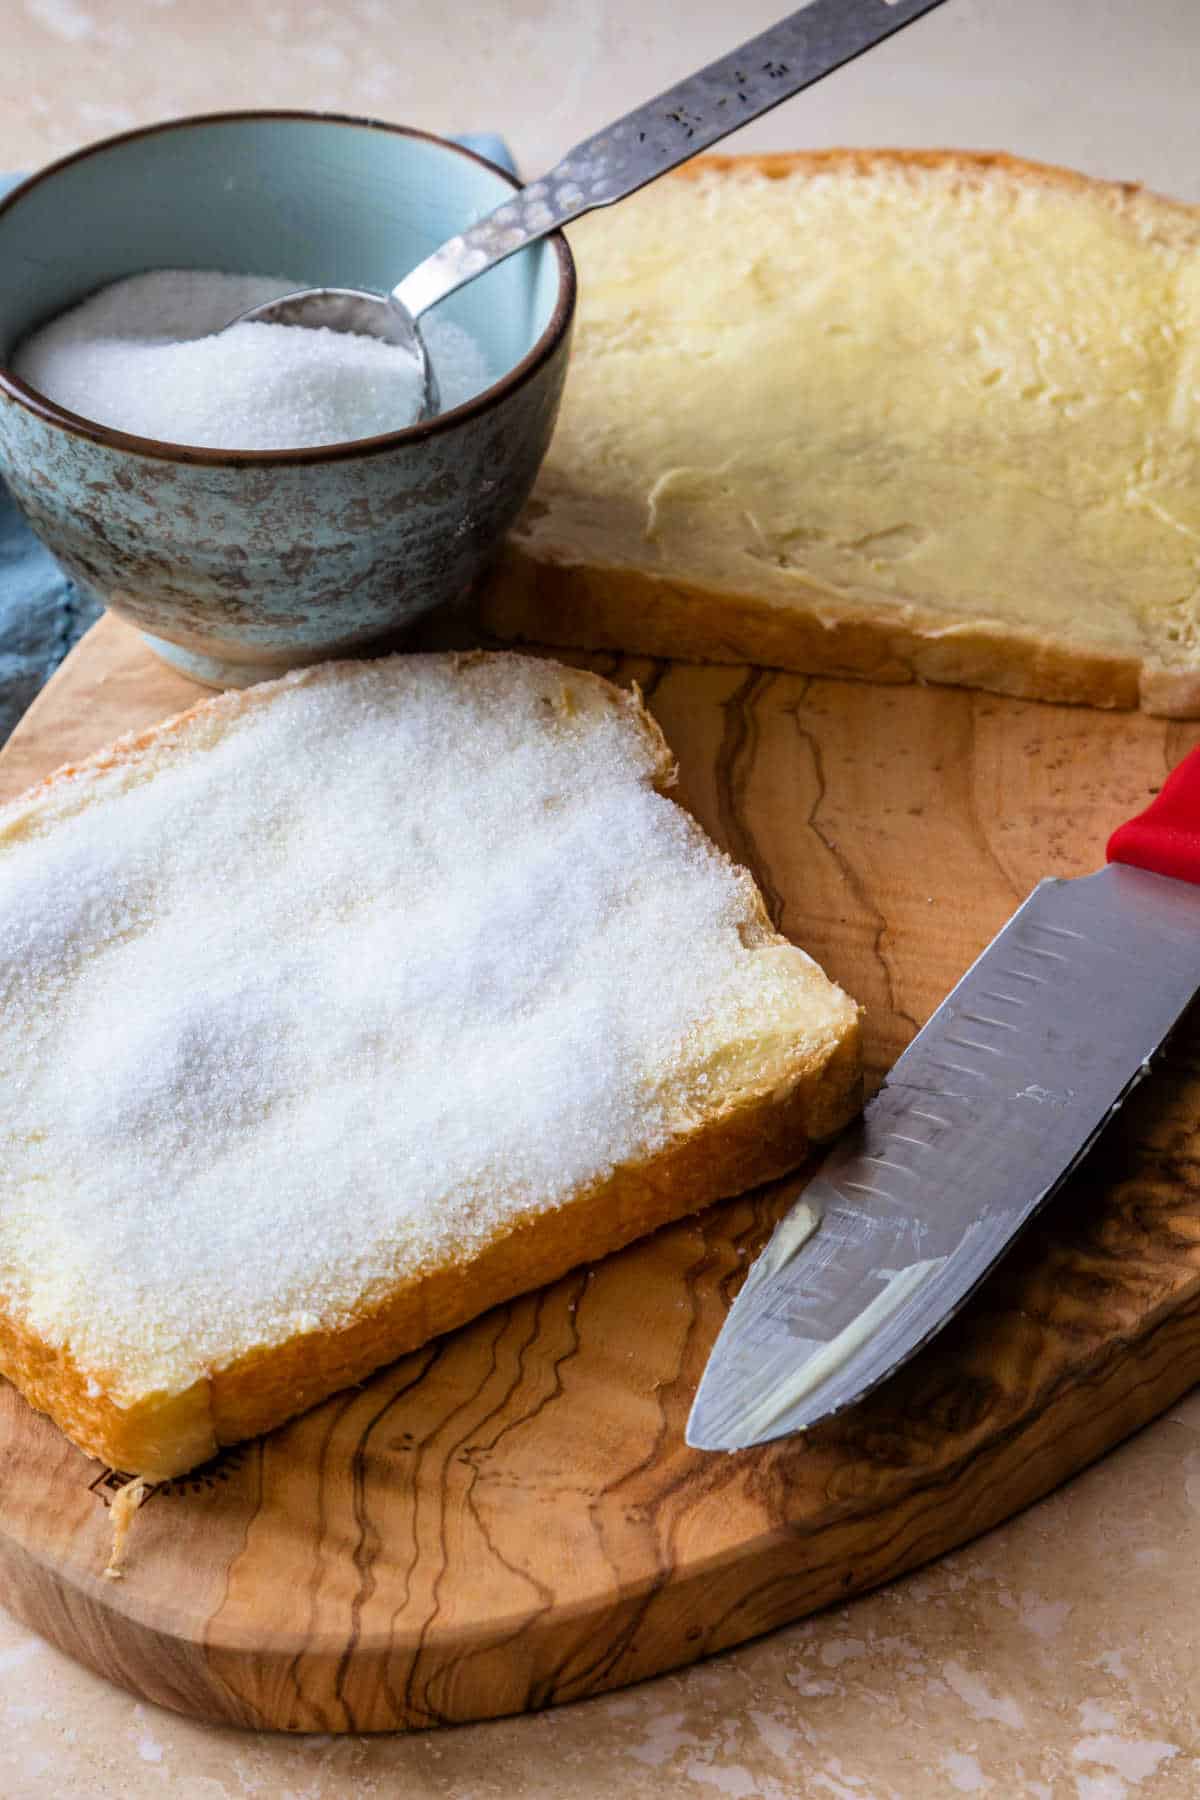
point(665, 131)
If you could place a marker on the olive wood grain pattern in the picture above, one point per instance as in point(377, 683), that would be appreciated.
point(510, 1517)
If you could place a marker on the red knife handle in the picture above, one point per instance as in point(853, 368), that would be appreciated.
point(1166, 837)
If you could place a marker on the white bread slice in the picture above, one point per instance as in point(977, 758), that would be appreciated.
point(889, 414)
point(336, 1011)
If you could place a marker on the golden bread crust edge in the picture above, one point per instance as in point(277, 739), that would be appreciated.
point(776, 165)
point(578, 605)
point(589, 606)
point(764, 1134)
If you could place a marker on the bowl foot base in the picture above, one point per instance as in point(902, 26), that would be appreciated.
point(214, 671)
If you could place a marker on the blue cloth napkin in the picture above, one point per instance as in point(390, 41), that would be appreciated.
point(42, 613)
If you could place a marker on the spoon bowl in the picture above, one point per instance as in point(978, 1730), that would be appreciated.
point(354, 310)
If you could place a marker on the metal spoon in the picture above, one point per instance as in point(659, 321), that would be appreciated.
point(615, 162)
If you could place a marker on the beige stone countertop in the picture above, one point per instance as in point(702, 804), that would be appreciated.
point(1056, 1657)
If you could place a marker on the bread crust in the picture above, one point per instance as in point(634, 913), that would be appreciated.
point(591, 608)
point(549, 600)
point(776, 165)
point(758, 1135)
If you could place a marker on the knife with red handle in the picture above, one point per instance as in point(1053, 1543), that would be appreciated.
point(977, 1125)
point(1165, 839)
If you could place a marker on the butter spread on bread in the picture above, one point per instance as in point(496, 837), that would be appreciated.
point(339, 1010)
point(891, 414)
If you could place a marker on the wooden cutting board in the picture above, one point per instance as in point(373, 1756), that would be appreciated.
point(511, 1517)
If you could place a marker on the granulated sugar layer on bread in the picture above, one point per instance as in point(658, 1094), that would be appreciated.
point(332, 981)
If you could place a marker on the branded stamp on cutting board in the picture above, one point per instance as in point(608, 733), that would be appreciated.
point(510, 1517)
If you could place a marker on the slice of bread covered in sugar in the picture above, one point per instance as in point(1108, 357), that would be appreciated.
point(339, 1010)
point(894, 414)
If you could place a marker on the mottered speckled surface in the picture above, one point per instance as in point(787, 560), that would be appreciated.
point(1056, 1657)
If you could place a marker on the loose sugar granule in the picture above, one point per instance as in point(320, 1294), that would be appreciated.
point(148, 355)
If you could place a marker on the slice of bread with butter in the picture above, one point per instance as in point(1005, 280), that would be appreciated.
point(894, 414)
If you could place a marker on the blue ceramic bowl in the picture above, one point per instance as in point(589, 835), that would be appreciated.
point(238, 565)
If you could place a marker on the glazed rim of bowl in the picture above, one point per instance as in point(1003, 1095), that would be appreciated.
point(534, 358)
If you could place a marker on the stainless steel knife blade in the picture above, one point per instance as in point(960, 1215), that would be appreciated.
point(979, 1122)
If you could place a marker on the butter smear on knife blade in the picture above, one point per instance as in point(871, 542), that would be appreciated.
point(899, 1286)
